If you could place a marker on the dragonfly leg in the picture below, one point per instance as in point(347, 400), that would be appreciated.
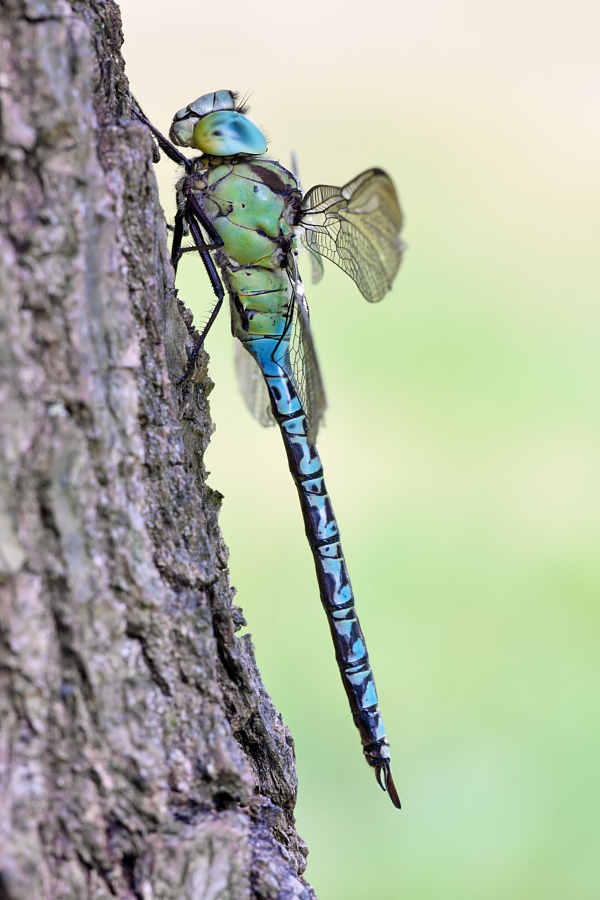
point(165, 145)
point(201, 340)
point(195, 207)
point(201, 246)
point(199, 343)
point(204, 250)
point(176, 250)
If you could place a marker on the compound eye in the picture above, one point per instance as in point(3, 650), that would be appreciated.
point(226, 133)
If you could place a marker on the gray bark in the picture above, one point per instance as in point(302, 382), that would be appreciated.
point(140, 756)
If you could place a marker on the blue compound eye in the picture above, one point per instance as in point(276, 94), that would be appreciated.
point(226, 133)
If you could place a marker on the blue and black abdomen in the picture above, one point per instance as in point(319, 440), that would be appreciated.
point(332, 574)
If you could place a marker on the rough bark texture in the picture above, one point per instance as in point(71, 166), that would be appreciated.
point(140, 756)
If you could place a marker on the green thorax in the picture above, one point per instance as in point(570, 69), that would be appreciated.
point(253, 205)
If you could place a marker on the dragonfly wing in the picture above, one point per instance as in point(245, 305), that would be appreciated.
point(358, 228)
point(252, 385)
point(302, 364)
point(316, 266)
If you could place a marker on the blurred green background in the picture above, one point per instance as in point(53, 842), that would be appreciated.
point(462, 439)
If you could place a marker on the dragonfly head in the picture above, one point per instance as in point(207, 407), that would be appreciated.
point(217, 125)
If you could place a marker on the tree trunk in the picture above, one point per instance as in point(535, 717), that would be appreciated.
point(140, 756)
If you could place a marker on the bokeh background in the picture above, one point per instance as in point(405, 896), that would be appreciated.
point(462, 440)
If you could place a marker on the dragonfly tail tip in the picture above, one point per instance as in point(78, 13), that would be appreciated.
point(391, 789)
point(386, 783)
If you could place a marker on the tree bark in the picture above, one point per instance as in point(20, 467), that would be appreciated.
point(140, 756)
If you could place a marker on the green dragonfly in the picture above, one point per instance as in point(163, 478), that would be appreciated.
point(246, 216)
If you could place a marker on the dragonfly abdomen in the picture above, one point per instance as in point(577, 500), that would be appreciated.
point(332, 574)
point(260, 301)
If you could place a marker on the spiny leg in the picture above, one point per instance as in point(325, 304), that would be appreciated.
point(165, 145)
point(204, 250)
point(196, 217)
point(200, 246)
point(176, 248)
point(195, 207)
point(192, 212)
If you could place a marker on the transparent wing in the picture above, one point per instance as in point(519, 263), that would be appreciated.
point(301, 360)
point(252, 385)
point(358, 228)
point(316, 266)
point(297, 357)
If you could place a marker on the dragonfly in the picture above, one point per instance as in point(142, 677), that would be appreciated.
point(247, 219)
